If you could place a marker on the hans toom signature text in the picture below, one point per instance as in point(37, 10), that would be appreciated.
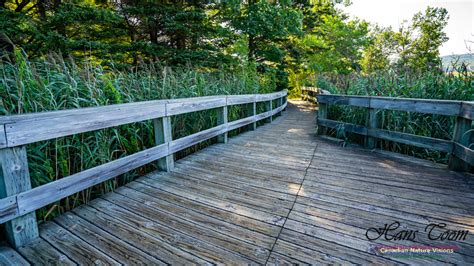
point(433, 231)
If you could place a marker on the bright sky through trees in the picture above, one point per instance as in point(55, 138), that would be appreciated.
point(393, 12)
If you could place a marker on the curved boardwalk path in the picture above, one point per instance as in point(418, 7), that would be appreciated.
point(272, 196)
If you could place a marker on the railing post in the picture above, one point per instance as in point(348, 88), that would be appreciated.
point(14, 179)
point(252, 110)
point(280, 103)
point(269, 108)
point(163, 134)
point(371, 123)
point(222, 120)
point(322, 113)
point(461, 135)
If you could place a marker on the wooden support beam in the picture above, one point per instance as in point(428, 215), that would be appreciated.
point(251, 112)
point(280, 103)
point(268, 108)
point(222, 119)
point(163, 134)
point(462, 135)
point(372, 123)
point(322, 114)
point(14, 179)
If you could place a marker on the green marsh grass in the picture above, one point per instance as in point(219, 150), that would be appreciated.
point(59, 84)
point(433, 85)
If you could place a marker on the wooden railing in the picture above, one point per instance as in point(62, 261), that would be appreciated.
point(310, 93)
point(459, 149)
point(18, 200)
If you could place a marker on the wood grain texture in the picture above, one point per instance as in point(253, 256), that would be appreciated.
point(269, 108)
point(40, 252)
point(461, 137)
point(9, 257)
point(29, 128)
point(8, 209)
point(441, 107)
point(467, 110)
point(74, 247)
point(371, 123)
point(184, 142)
point(400, 137)
point(14, 179)
point(193, 105)
point(3, 137)
point(308, 201)
point(164, 135)
point(222, 119)
point(240, 99)
point(64, 123)
point(464, 153)
point(253, 111)
point(360, 101)
point(105, 242)
point(348, 127)
point(41, 196)
point(241, 122)
point(31, 200)
point(414, 140)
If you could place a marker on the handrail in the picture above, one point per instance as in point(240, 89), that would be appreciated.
point(461, 155)
point(309, 93)
point(16, 131)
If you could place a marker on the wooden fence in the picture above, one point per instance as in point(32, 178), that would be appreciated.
point(18, 201)
point(461, 154)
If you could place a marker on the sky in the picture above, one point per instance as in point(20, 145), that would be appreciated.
point(393, 12)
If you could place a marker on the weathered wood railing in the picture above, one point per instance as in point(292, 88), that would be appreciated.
point(18, 200)
point(459, 149)
point(310, 93)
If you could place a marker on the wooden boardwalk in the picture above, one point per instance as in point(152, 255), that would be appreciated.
point(275, 195)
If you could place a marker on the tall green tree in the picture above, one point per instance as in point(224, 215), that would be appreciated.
point(414, 47)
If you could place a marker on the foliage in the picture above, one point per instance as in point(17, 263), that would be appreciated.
point(56, 84)
point(136, 50)
point(431, 85)
point(411, 48)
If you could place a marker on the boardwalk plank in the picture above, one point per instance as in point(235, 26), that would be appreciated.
point(278, 195)
point(105, 242)
point(219, 213)
point(75, 248)
point(9, 257)
point(153, 245)
point(40, 252)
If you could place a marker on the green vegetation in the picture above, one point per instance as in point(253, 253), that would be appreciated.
point(404, 63)
point(62, 54)
point(56, 84)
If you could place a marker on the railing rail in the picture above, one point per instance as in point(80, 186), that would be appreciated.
point(461, 154)
point(18, 200)
point(310, 93)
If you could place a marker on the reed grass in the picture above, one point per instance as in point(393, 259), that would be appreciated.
point(59, 84)
point(431, 85)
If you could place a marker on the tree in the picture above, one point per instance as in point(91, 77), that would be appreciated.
point(380, 51)
point(414, 47)
point(428, 37)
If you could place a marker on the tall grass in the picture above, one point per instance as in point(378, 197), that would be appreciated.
point(431, 85)
point(58, 84)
